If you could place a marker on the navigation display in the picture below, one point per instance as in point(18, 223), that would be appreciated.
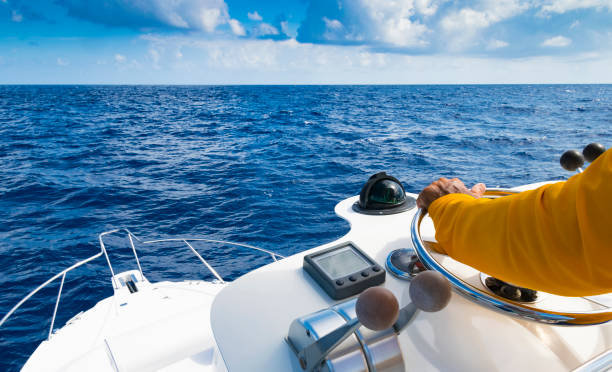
point(344, 270)
point(342, 262)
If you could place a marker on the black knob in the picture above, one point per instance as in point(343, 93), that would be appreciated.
point(528, 295)
point(571, 160)
point(592, 151)
point(510, 292)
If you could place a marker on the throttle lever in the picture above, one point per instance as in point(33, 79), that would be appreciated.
point(377, 309)
point(429, 291)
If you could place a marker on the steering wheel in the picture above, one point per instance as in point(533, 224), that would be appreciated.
point(528, 311)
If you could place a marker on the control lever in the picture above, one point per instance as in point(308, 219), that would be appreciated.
point(378, 309)
point(429, 291)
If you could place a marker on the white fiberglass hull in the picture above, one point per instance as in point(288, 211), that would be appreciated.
point(163, 326)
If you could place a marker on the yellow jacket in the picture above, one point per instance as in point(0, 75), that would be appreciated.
point(557, 238)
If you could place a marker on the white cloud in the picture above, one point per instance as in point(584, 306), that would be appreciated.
point(211, 18)
point(557, 42)
point(119, 58)
point(16, 16)
point(285, 27)
point(467, 19)
point(62, 62)
point(372, 59)
point(155, 56)
point(250, 55)
point(391, 22)
point(334, 30)
point(290, 62)
point(464, 26)
point(236, 27)
point(332, 24)
point(496, 44)
point(489, 13)
point(204, 15)
point(563, 6)
point(428, 7)
point(264, 29)
point(383, 23)
point(176, 20)
point(254, 16)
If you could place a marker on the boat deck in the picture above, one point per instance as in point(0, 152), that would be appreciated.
point(163, 326)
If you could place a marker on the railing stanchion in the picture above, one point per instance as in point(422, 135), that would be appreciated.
point(59, 294)
point(103, 247)
point(212, 270)
point(135, 254)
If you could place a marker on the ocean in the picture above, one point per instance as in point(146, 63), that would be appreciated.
point(260, 165)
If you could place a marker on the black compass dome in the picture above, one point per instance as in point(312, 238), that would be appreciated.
point(383, 194)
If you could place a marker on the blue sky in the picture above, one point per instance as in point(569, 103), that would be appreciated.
point(305, 41)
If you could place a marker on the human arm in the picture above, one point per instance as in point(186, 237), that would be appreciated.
point(557, 238)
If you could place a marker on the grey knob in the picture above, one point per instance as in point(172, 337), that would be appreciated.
point(377, 308)
point(430, 291)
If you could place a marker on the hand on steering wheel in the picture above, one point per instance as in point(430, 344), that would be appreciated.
point(444, 186)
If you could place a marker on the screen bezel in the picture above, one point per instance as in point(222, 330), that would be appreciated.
point(347, 245)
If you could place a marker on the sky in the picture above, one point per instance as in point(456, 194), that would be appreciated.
point(305, 41)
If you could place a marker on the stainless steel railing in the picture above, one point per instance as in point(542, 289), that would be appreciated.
point(59, 294)
point(103, 251)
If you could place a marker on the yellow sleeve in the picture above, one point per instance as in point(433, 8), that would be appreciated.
point(557, 238)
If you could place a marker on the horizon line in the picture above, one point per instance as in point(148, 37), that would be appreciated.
point(285, 84)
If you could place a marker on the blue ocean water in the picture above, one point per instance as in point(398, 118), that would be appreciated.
point(262, 165)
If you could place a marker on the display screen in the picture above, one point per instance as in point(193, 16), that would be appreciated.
point(342, 262)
